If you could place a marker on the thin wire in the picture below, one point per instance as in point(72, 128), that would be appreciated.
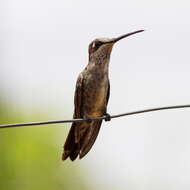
point(90, 119)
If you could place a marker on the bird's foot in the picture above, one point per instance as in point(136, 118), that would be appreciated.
point(108, 117)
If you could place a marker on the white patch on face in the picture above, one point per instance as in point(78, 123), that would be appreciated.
point(94, 44)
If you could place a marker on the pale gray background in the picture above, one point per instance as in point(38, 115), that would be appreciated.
point(44, 47)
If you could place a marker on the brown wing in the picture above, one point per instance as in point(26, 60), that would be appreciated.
point(78, 97)
point(72, 147)
point(78, 113)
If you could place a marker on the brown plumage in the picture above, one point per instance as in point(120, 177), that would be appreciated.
point(91, 98)
point(82, 135)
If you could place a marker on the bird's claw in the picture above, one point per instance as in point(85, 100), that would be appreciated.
point(108, 117)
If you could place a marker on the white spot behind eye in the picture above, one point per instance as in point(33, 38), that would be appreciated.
point(93, 45)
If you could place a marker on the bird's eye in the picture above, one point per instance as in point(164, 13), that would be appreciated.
point(96, 44)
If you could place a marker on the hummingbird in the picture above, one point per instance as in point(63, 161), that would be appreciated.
point(91, 98)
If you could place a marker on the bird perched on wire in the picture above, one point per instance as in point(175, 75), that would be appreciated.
point(91, 98)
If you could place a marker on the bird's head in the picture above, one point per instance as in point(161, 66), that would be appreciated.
point(103, 46)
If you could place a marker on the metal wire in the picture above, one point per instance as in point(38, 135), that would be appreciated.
point(87, 119)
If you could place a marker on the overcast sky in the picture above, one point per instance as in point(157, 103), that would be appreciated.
point(44, 47)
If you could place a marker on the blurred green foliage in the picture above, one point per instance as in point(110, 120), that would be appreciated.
point(30, 157)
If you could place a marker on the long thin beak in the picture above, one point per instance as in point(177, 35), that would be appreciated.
point(123, 36)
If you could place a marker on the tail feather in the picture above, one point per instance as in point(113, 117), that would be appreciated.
point(71, 148)
point(86, 134)
point(89, 139)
